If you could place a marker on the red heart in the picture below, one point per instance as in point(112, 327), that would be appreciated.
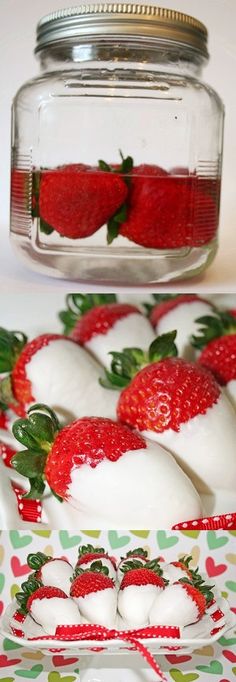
point(60, 660)
point(8, 661)
point(232, 609)
point(18, 568)
point(229, 655)
point(213, 569)
point(172, 658)
point(1, 607)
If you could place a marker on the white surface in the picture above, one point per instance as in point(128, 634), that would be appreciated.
point(131, 330)
point(18, 19)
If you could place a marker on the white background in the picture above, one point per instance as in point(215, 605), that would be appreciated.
point(18, 19)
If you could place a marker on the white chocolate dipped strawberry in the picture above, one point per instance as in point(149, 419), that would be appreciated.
point(88, 554)
point(175, 570)
point(92, 462)
point(48, 606)
point(54, 368)
point(181, 603)
point(181, 406)
point(140, 554)
point(95, 595)
point(180, 312)
point(100, 327)
point(138, 590)
point(51, 572)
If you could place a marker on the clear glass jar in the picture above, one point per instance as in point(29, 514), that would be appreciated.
point(117, 148)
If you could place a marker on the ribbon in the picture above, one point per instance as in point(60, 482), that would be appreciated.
point(222, 522)
point(29, 510)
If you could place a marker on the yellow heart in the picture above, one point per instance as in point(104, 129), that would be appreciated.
point(1, 554)
point(231, 558)
point(195, 553)
point(48, 550)
point(14, 590)
point(205, 651)
point(34, 656)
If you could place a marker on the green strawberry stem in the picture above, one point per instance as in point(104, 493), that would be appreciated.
point(36, 561)
point(135, 564)
point(158, 298)
point(28, 588)
point(213, 326)
point(119, 217)
point(11, 345)
point(89, 549)
point(37, 433)
point(126, 364)
point(96, 567)
point(78, 304)
point(134, 552)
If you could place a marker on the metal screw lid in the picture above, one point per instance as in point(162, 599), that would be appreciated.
point(120, 19)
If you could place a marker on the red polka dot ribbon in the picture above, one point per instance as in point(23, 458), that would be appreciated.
point(223, 522)
point(29, 510)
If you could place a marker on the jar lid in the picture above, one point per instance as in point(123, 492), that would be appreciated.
point(122, 20)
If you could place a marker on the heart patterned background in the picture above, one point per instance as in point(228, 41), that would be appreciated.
point(215, 552)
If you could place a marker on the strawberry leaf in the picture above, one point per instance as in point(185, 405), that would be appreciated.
point(45, 228)
point(37, 560)
point(163, 347)
point(37, 487)
point(11, 345)
point(29, 463)
point(79, 304)
point(213, 326)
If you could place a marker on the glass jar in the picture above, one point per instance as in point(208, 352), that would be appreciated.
point(117, 148)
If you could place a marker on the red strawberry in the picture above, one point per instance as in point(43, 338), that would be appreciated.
point(77, 200)
point(87, 441)
point(217, 341)
point(6, 453)
point(139, 554)
point(162, 210)
point(100, 319)
point(138, 590)
point(182, 566)
point(95, 594)
point(180, 604)
point(45, 593)
point(163, 307)
point(21, 385)
point(51, 572)
point(45, 607)
point(88, 554)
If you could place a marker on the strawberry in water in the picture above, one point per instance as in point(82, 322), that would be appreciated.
point(179, 405)
point(48, 606)
point(107, 325)
point(76, 200)
point(91, 460)
point(51, 368)
point(163, 210)
point(180, 604)
point(88, 554)
point(51, 572)
point(138, 589)
point(179, 312)
point(95, 594)
point(217, 343)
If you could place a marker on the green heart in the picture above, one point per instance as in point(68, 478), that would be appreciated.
point(32, 673)
point(231, 585)
point(116, 540)
point(18, 540)
point(6, 679)
point(215, 667)
point(92, 533)
point(14, 590)
point(191, 533)
point(177, 676)
point(2, 581)
point(67, 540)
point(140, 533)
point(232, 532)
point(43, 533)
point(227, 642)
point(214, 542)
point(164, 541)
point(56, 677)
point(8, 645)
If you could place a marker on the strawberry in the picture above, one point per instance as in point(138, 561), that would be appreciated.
point(95, 594)
point(51, 367)
point(139, 553)
point(3, 419)
point(180, 405)
point(56, 456)
point(46, 607)
point(217, 342)
point(88, 554)
point(161, 210)
point(180, 604)
point(51, 572)
point(179, 312)
point(178, 569)
point(138, 589)
point(111, 325)
point(76, 200)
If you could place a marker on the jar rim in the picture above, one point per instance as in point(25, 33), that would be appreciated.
point(126, 20)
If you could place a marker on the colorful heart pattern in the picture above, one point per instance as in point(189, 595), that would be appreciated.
point(215, 551)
